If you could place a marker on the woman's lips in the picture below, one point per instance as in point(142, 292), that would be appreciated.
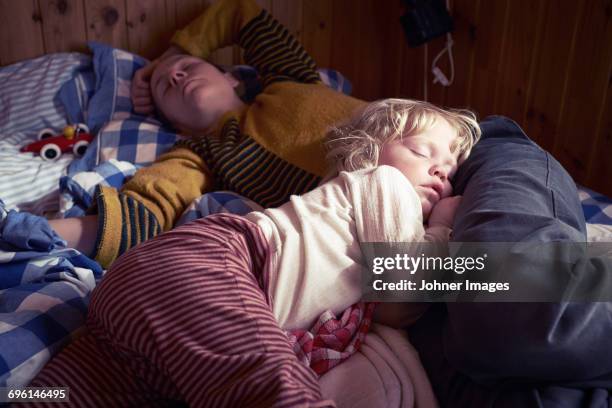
point(192, 83)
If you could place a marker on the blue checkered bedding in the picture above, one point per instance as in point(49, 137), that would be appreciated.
point(44, 297)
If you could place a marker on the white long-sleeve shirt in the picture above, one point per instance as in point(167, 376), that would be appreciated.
point(316, 261)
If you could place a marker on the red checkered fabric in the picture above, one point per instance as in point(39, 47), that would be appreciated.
point(332, 340)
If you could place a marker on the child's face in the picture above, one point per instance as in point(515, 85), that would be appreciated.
point(427, 162)
point(192, 93)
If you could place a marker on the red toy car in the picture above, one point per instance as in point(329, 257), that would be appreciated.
point(74, 138)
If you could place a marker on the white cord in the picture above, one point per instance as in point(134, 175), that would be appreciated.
point(439, 76)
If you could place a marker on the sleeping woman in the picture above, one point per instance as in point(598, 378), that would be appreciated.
point(197, 314)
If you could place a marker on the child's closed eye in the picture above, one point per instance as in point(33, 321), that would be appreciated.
point(420, 153)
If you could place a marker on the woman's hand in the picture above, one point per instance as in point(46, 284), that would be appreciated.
point(142, 97)
point(443, 213)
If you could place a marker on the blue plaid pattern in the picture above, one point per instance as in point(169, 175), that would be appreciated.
point(43, 305)
point(218, 202)
point(77, 191)
point(597, 208)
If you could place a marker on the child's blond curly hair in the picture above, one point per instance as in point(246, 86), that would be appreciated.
point(357, 144)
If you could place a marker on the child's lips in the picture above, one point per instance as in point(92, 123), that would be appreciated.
point(432, 194)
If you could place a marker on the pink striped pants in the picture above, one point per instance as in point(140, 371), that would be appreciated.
point(184, 317)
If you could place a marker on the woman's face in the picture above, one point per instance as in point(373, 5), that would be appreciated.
point(192, 93)
point(428, 162)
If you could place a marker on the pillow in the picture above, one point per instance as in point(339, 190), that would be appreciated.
point(513, 191)
point(28, 98)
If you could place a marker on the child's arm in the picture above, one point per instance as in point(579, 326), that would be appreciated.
point(440, 224)
point(402, 315)
point(268, 46)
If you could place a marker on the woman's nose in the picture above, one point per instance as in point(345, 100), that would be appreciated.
point(176, 75)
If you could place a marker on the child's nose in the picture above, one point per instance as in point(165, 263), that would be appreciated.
point(441, 173)
point(176, 75)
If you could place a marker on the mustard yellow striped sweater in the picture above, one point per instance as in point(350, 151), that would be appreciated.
point(266, 152)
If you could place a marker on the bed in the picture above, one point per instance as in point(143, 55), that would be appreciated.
point(44, 294)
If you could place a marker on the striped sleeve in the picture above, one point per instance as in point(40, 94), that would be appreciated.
point(268, 46)
point(123, 224)
point(276, 53)
point(243, 166)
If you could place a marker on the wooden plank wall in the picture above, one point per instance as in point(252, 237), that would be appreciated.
point(545, 63)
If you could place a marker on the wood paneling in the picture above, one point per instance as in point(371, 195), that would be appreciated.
point(586, 89)
point(491, 34)
point(548, 85)
point(545, 63)
point(346, 21)
point(317, 30)
point(106, 22)
point(520, 45)
point(289, 13)
point(20, 30)
point(183, 11)
point(149, 26)
point(392, 50)
point(63, 25)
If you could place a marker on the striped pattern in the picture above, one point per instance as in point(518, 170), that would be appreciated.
point(143, 224)
point(199, 328)
point(97, 379)
point(28, 105)
point(29, 183)
point(27, 95)
point(241, 165)
point(277, 55)
point(136, 223)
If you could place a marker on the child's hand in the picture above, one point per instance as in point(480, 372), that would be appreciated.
point(443, 213)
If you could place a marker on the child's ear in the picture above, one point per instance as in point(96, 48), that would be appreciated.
point(231, 79)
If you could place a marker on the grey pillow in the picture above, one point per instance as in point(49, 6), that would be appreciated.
point(515, 191)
